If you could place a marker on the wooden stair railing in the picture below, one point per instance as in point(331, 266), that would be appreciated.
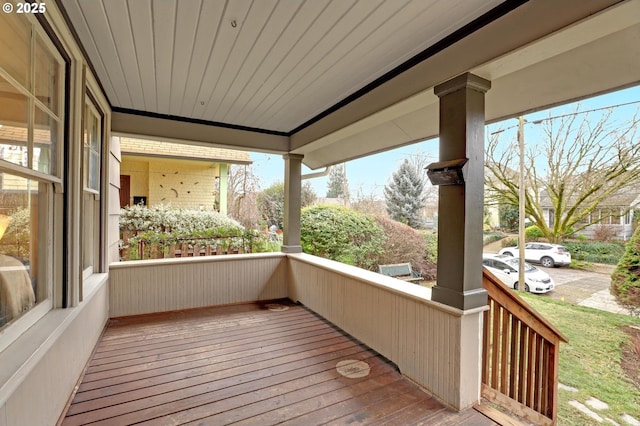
point(520, 356)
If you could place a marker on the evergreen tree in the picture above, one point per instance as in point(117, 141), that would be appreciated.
point(405, 196)
point(337, 186)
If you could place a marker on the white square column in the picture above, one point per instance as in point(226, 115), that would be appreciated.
point(292, 203)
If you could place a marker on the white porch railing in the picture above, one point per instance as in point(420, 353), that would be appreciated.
point(147, 286)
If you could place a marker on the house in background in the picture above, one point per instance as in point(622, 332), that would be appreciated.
point(612, 218)
point(186, 176)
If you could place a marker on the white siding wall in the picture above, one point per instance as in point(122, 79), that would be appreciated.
point(114, 199)
point(140, 287)
point(58, 351)
point(436, 346)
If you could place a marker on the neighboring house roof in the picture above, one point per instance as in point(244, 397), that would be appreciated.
point(624, 198)
point(131, 146)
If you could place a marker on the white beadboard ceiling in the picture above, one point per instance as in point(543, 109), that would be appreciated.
point(265, 64)
point(335, 80)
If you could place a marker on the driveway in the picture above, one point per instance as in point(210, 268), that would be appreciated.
point(585, 288)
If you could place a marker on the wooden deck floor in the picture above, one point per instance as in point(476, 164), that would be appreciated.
point(245, 364)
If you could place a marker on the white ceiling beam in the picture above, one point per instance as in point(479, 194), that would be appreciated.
point(197, 133)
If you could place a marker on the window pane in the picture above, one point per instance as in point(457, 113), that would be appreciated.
point(47, 77)
point(45, 140)
point(13, 125)
point(94, 133)
point(15, 39)
point(19, 287)
point(88, 231)
point(94, 176)
point(92, 147)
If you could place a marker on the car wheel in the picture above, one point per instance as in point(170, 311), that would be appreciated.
point(508, 253)
point(547, 262)
point(526, 288)
point(515, 285)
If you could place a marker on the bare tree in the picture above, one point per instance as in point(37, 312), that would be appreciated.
point(242, 188)
point(369, 203)
point(579, 163)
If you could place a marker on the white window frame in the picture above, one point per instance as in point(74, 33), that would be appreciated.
point(91, 195)
point(49, 211)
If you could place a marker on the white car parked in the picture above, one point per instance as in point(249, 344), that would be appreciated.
point(505, 268)
point(549, 255)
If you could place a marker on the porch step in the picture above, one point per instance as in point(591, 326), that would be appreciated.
point(497, 416)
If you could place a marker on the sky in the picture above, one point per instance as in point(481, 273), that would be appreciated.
point(367, 176)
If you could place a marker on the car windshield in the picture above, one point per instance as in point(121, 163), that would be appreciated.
point(562, 249)
point(515, 263)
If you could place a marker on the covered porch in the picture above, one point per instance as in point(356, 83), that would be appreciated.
point(319, 82)
point(258, 363)
point(188, 363)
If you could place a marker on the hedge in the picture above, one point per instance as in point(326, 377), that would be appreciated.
point(343, 235)
point(595, 251)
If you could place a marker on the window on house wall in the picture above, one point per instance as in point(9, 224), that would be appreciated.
point(608, 216)
point(31, 123)
point(92, 142)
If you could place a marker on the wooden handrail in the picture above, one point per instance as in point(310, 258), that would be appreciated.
point(520, 355)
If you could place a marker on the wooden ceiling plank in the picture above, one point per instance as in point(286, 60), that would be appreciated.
point(302, 42)
point(142, 30)
point(186, 30)
point(306, 50)
point(250, 31)
point(279, 20)
point(208, 25)
point(302, 19)
point(236, 10)
point(339, 35)
point(164, 18)
point(118, 17)
point(74, 11)
point(332, 65)
point(97, 21)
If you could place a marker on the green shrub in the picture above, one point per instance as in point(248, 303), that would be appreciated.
point(343, 235)
point(490, 237)
point(625, 280)
point(509, 242)
point(431, 239)
point(595, 251)
point(405, 244)
point(533, 233)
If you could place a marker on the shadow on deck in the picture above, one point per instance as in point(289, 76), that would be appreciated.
point(247, 364)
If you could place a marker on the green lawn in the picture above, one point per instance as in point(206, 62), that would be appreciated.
point(590, 361)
